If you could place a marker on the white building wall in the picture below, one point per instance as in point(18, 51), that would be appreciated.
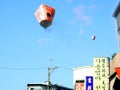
point(81, 73)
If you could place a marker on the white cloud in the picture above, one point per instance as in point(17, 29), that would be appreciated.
point(45, 40)
point(92, 7)
point(81, 31)
point(70, 1)
point(10, 10)
point(81, 16)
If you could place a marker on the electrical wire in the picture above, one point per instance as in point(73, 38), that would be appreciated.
point(15, 68)
point(37, 68)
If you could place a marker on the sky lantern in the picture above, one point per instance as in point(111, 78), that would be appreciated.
point(93, 37)
point(44, 15)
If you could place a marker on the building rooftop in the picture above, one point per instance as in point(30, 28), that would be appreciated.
point(53, 85)
point(77, 68)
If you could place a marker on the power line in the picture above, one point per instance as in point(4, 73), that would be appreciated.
point(34, 68)
point(15, 68)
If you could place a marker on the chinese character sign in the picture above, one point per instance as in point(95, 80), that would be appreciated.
point(101, 72)
point(89, 82)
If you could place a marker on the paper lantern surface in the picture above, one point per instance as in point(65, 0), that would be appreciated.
point(44, 15)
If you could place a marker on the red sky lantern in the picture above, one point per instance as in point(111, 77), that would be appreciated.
point(44, 15)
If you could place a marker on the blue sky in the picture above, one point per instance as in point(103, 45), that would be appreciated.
point(26, 48)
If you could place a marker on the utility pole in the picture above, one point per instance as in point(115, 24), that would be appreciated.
point(50, 69)
point(48, 78)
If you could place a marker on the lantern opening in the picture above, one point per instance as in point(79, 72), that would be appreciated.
point(48, 15)
point(45, 23)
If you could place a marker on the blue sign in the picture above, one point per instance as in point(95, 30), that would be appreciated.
point(89, 82)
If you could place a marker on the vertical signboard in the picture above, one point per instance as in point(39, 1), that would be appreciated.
point(79, 85)
point(101, 73)
point(89, 82)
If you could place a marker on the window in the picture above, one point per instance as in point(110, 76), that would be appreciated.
point(31, 88)
point(36, 88)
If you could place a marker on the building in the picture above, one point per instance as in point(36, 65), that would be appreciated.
point(94, 77)
point(116, 15)
point(115, 63)
point(44, 86)
point(113, 75)
point(80, 76)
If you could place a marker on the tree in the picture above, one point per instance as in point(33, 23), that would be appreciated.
point(113, 55)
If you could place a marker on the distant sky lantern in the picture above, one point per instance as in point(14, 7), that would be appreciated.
point(93, 37)
point(44, 15)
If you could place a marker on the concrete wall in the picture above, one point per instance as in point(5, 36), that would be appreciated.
point(82, 72)
point(114, 63)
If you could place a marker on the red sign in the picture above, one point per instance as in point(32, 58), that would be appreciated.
point(79, 86)
point(117, 70)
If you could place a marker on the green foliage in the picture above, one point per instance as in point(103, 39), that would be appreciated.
point(114, 55)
